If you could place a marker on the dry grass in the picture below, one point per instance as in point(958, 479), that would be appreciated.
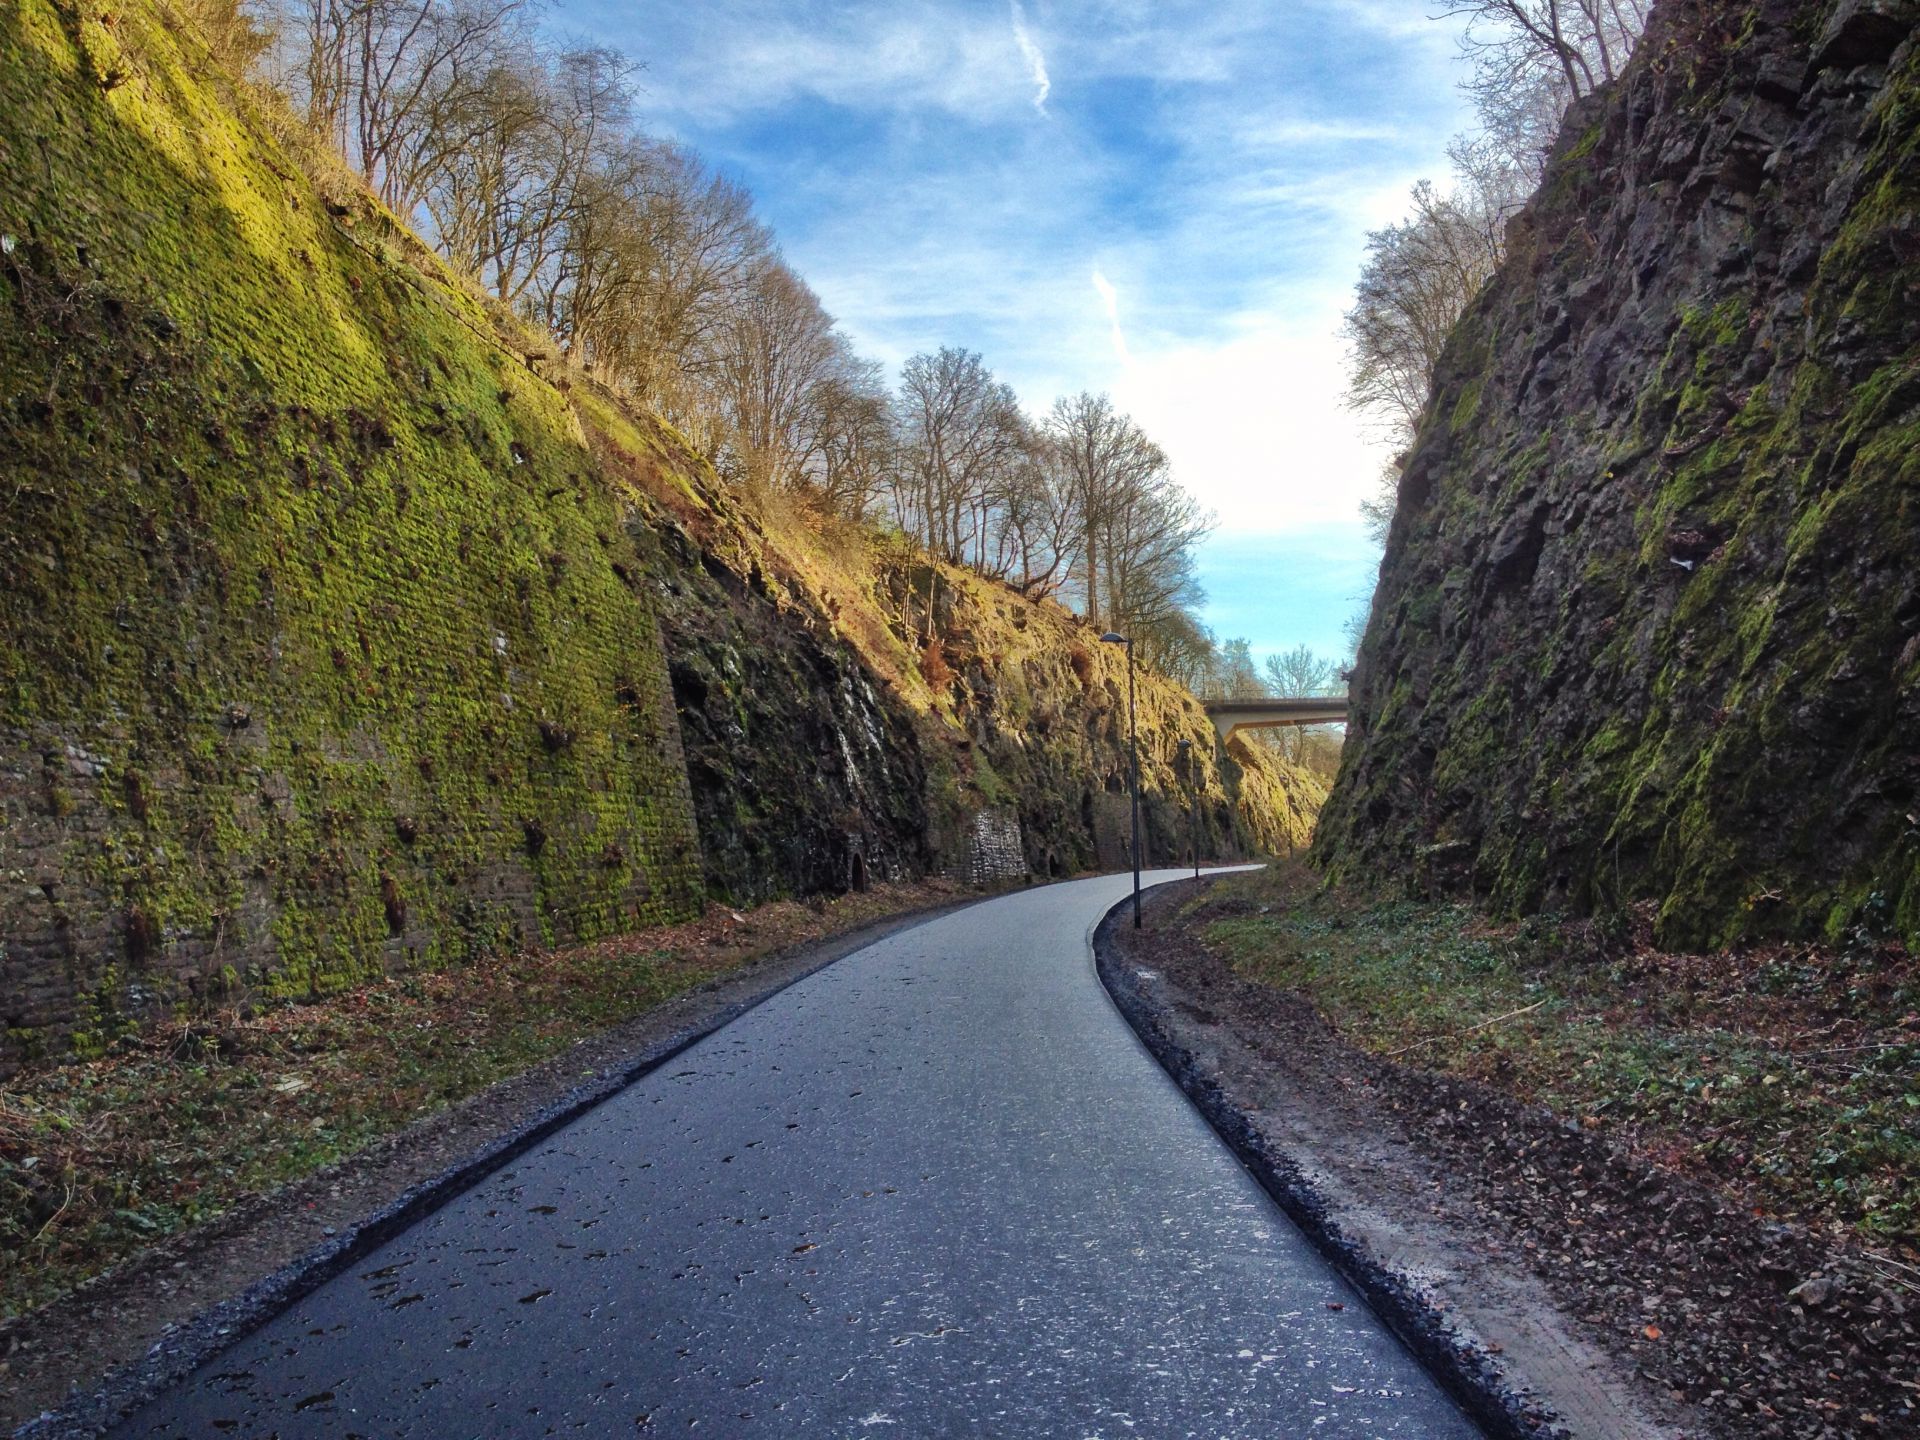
point(174, 1125)
point(1781, 1073)
point(934, 667)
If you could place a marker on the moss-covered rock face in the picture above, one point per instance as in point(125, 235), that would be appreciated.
point(323, 645)
point(341, 627)
point(1036, 727)
point(1648, 625)
point(850, 711)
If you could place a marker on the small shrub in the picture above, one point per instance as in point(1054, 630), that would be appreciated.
point(934, 666)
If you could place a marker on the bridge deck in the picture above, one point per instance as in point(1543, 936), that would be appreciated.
point(1270, 711)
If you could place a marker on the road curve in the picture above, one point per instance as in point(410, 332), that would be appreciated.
point(935, 1189)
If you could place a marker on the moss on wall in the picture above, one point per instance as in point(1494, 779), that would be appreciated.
point(322, 644)
point(1649, 623)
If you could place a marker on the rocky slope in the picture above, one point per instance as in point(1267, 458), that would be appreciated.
point(342, 628)
point(1648, 625)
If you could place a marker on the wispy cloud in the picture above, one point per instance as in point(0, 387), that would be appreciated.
point(710, 67)
point(1036, 62)
point(1220, 164)
point(1110, 298)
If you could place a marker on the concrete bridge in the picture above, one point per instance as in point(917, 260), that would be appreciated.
point(1265, 714)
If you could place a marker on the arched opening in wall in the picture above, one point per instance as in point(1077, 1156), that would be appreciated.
point(1055, 869)
point(395, 904)
point(857, 871)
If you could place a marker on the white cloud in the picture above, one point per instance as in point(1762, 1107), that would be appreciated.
point(718, 64)
point(1219, 164)
point(1036, 62)
point(1110, 301)
point(1256, 425)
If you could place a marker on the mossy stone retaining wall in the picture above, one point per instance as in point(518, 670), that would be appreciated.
point(323, 647)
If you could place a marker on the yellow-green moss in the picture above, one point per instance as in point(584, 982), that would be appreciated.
point(299, 546)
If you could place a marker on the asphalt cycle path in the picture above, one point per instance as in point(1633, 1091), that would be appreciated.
point(938, 1188)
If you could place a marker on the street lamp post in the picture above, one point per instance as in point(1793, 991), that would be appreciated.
point(1133, 744)
point(1193, 801)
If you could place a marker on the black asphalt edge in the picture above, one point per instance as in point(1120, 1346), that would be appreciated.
point(1465, 1371)
point(182, 1351)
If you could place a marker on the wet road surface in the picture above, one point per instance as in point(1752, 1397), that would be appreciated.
point(936, 1189)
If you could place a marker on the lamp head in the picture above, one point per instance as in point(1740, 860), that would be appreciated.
point(1114, 637)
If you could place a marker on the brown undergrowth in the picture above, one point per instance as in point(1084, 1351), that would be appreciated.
point(1781, 1074)
point(175, 1124)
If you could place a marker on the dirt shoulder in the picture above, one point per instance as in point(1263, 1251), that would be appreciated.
point(167, 1305)
point(1565, 1276)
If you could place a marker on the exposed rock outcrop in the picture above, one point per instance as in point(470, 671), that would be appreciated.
point(342, 628)
point(1648, 625)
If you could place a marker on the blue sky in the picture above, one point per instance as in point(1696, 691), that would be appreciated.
point(1165, 201)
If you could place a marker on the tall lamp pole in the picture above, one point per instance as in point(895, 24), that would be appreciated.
point(1193, 801)
point(1113, 637)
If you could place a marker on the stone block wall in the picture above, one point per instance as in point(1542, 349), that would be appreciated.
point(994, 851)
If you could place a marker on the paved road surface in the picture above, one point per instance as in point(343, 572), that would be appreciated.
point(936, 1189)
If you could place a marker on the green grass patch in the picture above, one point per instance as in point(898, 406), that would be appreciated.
point(1783, 1072)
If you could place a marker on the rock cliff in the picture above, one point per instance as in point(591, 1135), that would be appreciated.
point(1648, 623)
point(344, 628)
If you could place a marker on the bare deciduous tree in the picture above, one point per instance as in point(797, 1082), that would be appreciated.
point(961, 433)
point(1041, 523)
point(1581, 43)
point(386, 79)
point(506, 182)
point(1149, 538)
point(857, 450)
point(1418, 277)
point(1299, 672)
point(1530, 60)
point(1185, 652)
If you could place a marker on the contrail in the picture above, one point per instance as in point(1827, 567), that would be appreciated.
point(1110, 298)
point(1036, 62)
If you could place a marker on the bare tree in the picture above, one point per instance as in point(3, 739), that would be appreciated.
point(1099, 453)
point(1530, 60)
point(659, 252)
point(1299, 672)
point(961, 432)
point(1185, 653)
point(1418, 277)
point(856, 449)
point(507, 178)
point(1134, 565)
point(384, 79)
point(1149, 536)
point(1040, 521)
point(771, 348)
point(1581, 43)
point(1235, 675)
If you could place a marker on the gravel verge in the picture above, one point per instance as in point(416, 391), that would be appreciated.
point(1558, 1282)
point(77, 1365)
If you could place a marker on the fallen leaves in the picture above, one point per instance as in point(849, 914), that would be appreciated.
point(100, 1158)
point(1615, 1201)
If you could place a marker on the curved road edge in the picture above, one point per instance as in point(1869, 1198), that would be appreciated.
point(1469, 1375)
point(111, 1395)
